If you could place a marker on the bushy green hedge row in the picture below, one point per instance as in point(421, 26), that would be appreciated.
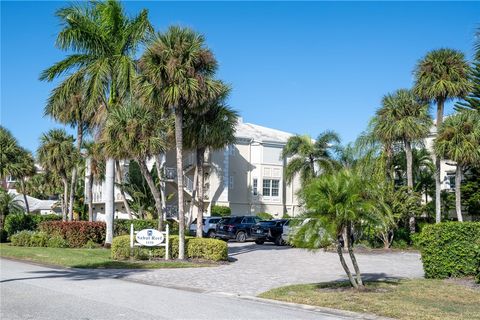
point(22, 221)
point(450, 249)
point(122, 226)
point(220, 211)
point(199, 248)
point(28, 238)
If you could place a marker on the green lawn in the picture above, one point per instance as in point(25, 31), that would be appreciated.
point(406, 299)
point(84, 258)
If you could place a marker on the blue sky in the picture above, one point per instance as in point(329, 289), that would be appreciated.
point(301, 67)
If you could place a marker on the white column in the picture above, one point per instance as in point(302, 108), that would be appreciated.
point(109, 199)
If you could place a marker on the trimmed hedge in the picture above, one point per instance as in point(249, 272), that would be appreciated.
point(76, 233)
point(27, 238)
point(22, 221)
point(122, 226)
point(220, 211)
point(450, 249)
point(198, 248)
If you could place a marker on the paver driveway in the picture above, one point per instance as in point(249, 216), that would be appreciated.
point(259, 268)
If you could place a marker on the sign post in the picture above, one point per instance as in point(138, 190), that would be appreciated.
point(149, 238)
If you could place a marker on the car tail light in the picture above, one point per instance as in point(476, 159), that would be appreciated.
point(230, 227)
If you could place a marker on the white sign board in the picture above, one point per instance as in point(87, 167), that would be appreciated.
point(149, 237)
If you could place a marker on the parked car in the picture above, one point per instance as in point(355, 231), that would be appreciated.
point(236, 227)
point(209, 226)
point(269, 230)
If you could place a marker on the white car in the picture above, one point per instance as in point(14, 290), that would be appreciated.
point(209, 226)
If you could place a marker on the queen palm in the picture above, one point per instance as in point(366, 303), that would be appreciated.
point(308, 155)
point(214, 129)
point(57, 154)
point(135, 132)
point(458, 139)
point(104, 41)
point(442, 75)
point(177, 74)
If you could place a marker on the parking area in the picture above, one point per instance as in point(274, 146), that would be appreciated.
point(258, 268)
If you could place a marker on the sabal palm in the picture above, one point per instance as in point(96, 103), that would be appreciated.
point(306, 155)
point(404, 118)
point(459, 140)
point(26, 168)
point(73, 112)
point(442, 75)
point(9, 150)
point(57, 154)
point(135, 132)
point(214, 129)
point(177, 74)
point(104, 41)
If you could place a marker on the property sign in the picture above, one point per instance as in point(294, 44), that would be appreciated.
point(149, 237)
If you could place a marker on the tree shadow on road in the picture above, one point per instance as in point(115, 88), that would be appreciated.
point(250, 247)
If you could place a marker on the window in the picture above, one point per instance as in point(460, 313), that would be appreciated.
point(248, 220)
point(451, 180)
point(271, 187)
point(255, 186)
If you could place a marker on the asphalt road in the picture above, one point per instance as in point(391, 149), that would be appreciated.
point(30, 291)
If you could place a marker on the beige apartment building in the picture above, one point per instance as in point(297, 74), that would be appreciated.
point(248, 177)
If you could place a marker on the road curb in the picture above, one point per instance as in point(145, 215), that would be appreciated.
point(327, 311)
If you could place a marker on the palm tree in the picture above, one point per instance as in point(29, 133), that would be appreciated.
point(177, 70)
point(8, 204)
point(26, 168)
point(94, 169)
point(307, 154)
point(459, 140)
point(473, 99)
point(336, 202)
point(442, 75)
point(57, 154)
point(9, 150)
point(213, 130)
point(403, 118)
point(135, 132)
point(104, 41)
point(72, 111)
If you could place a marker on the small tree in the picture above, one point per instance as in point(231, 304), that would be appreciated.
point(337, 202)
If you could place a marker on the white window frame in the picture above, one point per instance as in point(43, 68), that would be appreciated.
point(270, 188)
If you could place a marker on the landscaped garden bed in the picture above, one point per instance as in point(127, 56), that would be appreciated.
point(400, 299)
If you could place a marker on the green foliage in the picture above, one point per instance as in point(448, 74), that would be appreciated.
point(57, 241)
point(122, 226)
point(76, 233)
point(198, 248)
point(264, 216)
point(91, 245)
point(449, 249)
point(21, 221)
point(220, 211)
point(39, 239)
point(21, 238)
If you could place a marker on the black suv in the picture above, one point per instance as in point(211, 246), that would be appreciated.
point(236, 227)
point(269, 230)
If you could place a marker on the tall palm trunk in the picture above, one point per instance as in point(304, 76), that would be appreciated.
point(73, 184)
point(22, 184)
point(179, 152)
point(458, 196)
point(438, 183)
point(200, 161)
point(153, 189)
point(89, 187)
point(65, 198)
point(194, 202)
point(409, 157)
point(160, 159)
point(109, 200)
point(119, 175)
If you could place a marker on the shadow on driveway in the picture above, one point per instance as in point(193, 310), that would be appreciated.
point(237, 249)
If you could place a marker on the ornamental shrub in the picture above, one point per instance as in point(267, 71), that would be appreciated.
point(122, 226)
point(198, 248)
point(220, 211)
point(265, 216)
point(57, 241)
point(38, 239)
point(449, 249)
point(76, 233)
point(21, 238)
point(22, 221)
